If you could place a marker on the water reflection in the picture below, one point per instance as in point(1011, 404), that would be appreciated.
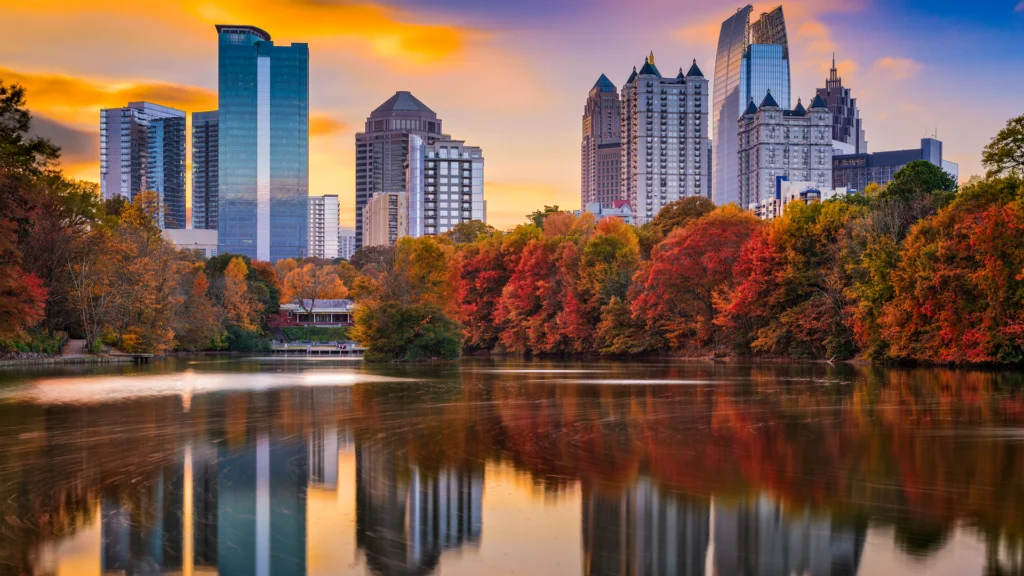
point(773, 471)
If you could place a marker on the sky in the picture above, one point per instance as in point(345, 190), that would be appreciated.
point(509, 76)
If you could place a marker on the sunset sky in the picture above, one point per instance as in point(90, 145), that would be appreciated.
point(510, 77)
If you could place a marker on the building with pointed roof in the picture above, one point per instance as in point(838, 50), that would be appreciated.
point(664, 139)
point(777, 145)
point(847, 126)
point(600, 155)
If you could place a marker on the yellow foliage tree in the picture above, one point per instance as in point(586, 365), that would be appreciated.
point(241, 307)
point(310, 283)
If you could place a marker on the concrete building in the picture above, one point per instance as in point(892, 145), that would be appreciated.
point(382, 149)
point(193, 239)
point(856, 171)
point(664, 138)
point(323, 226)
point(792, 144)
point(385, 219)
point(618, 209)
point(600, 154)
point(847, 127)
point(346, 243)
point(752, 59)
point(204, 169)
point(263, 145)
point(446, 185)
point(787, 192)
point(142, 147)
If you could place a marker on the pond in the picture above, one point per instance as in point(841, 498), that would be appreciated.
point(274, 466)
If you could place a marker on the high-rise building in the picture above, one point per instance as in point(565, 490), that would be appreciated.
point(600, 155)
point(752, 59)
point(856, 171)
point(382, 149)
point(664, 138)
point(847, 128)
point(446, 185)
point(775, 144)
point(323, 226)
point(263, 152)
point(346, 243)
point(385, 218)
point(204, 170)
point(142, 147)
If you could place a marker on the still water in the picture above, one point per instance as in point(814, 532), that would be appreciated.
point(281, 467)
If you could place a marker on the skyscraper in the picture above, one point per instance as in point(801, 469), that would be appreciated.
point(204, 170)
point(382, 150)
point(263, 152)
point(446, 185)
point(600, 155)
point(664, 138)
point(752, 59)
point(323, 226)
point(142, 147)
point(385, 218)
point(847, 129)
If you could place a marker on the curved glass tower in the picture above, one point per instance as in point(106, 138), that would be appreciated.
point(263, 153)
point(752, 59)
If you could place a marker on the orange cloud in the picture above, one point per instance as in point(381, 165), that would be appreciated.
point(508, 203)
point(898, 68)
point(324, 125)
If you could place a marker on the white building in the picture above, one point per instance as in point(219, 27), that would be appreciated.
point(786, 192)
point(193, 239)
point(619, 209)
point(446, 185)
point(323, 226)
point(794, 145)
point(664, 139)
point(346, 243)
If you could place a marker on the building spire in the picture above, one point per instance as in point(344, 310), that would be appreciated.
point(833, 81)
point(650, 59)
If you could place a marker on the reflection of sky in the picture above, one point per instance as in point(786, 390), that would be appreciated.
point(915, 66)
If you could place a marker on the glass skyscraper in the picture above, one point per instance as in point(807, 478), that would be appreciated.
point(142, 147)
point(263, 152)
point(204, 170)
point(752, 59)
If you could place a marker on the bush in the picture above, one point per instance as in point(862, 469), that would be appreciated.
point(246, 341)
point(317, 334)
point(407, 333)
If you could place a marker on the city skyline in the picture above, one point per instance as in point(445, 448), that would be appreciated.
point(532, 145)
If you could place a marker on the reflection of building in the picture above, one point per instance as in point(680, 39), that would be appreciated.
point(644, 531)
point(856, 171)
point(323, 457)
point(406, 516)
point(263, 145)
point(758, 536)
point(141, 527)
point(752, 59)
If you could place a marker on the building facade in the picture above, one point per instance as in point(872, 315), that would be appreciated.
point(204, 170)
point(323, 226)
point(385, 219)
point(664, 138)
point(346, 243)
point(856, 171)
point(142, 147)
point(600, 153)
point(446, 185)
point(847, 127)
point(774, 143)
point(786, 192)
point(382, 149)
point(618, 209)
point(193, 239)
point(263, 152)
point(752, 59)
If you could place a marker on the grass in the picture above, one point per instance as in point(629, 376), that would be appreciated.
point(317, 334)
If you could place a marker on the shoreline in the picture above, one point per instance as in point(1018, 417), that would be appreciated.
point(60, 360)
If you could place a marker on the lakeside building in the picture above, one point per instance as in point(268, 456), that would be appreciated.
point(752, 58)
point(664, 138)
point(600, 152)
point(329, 313)
point(142, 147)
point(263, 152)
point(847, 127)
point(382, 149)
point(204, 169)
point(446, 186)
point(856, 171)
point(774, 143)
point(619, 209)
point(323, 226)
point(385, 219)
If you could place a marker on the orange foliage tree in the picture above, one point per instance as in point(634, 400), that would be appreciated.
point(307, 284)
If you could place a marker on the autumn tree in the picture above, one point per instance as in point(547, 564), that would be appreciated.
point(468, 231)
point(241, 307)
point(197, 325)
point(1004, 154)
point(673, 215)
point(309, 283)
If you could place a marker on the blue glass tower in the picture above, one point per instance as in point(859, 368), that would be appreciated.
point(263, 153)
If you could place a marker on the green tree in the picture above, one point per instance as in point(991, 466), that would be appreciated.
point(918, 178)
point(468, 231)
point(537, 217)
point(1004, 155)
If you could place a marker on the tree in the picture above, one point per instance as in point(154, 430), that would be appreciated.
point(918, 178)
point(20, 153)
point(537, 217)
point(240, 306)
point(197, 326)
point(371, 256)
point(310, 283)
point(468, 231)
point(680, 213)
point(22, 295)
point(1004, 155)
